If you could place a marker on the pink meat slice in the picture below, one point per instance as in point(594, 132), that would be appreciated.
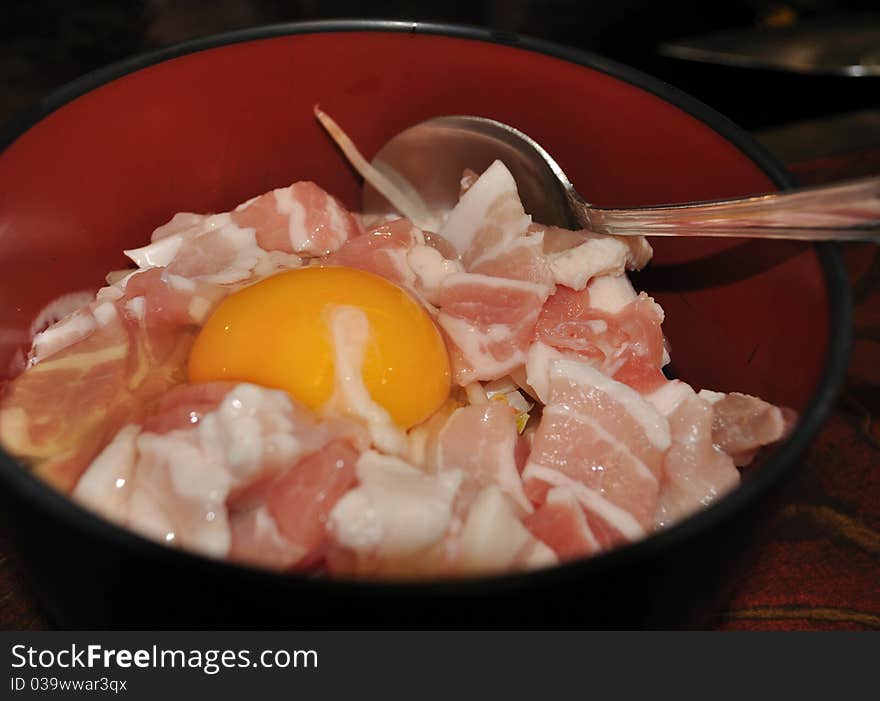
point(396, 521)
point(695, 471)
point(382, 250)
point(289, 527)
point(601, 439)
point(264, 234)
point(488, 313)
point(576, 257)
point(168, 300)
point(482, 440)
point(152, 297)
point(493, 539)
point(561, 523)
point(301, 219)
point(186, 224)
point(485, 535)
point(256, 540)
point(229, 470)
point(303, 497)
point(224, 255)
point(488, 322)
point(184, 405)
point(521, 258)
point(133, 349)
point(626, 345)
point(210, 247)
point(59, 438)
point(742, 424)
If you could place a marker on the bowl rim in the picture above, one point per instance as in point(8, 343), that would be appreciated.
point(25, 486)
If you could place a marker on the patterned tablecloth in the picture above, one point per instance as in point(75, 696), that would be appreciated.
point(816, 563)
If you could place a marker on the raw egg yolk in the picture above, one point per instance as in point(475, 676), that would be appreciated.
point(276, 334)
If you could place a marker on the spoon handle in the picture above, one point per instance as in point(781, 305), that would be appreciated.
point(846, 211)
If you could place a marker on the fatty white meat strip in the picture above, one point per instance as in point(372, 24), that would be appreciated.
point(396, 510)
point(350, 333)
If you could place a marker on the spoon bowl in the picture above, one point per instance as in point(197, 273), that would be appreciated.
point(427, 161)
point(431, 156)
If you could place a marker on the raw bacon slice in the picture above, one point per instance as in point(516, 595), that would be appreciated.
point(207, 246)
point(601, 439)
point(626, 344)
point(163, 299)
point(255, 540)
point(561, 524)
point(487, 218)
point(261, 236)
point(301, 219)
point(521, 258)
point(382, 250)
point(488, 313)
point(402, 253)
point(184, 405)
point(289, 528)
point(695, 471)
point(152, 297)
point(742, 424)
point(132, 350)
point(225, 255)
point(422, 439)
point(489, 323)
point(301, 500)
point(494, 540)
point(403, 523)
point(396, 513)
point(576, 257)
point(482, 441)
point(59, 438)
point(242, 479)
point(104, 487)
point(216, 251)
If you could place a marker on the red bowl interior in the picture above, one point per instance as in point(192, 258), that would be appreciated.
point(207, 130)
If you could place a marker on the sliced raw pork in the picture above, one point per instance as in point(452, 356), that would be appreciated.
point(113, 358)
point(602, 440)
point(481, 440)
point(488, 312)
point(261, 236)
point(576, 257)
point(301, 219)
point(402, 253)
point(382, 250)
point(290, 526)
point(624, 341)
point(493, 540)
point(254, 477)
point(742, 424)
point(401, 522)
point(560, 522)
point(696, 472)
point(395, 520)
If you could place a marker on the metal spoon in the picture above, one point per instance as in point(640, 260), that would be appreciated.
point(429, 158)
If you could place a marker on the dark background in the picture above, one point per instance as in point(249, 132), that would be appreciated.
point(45, 43)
